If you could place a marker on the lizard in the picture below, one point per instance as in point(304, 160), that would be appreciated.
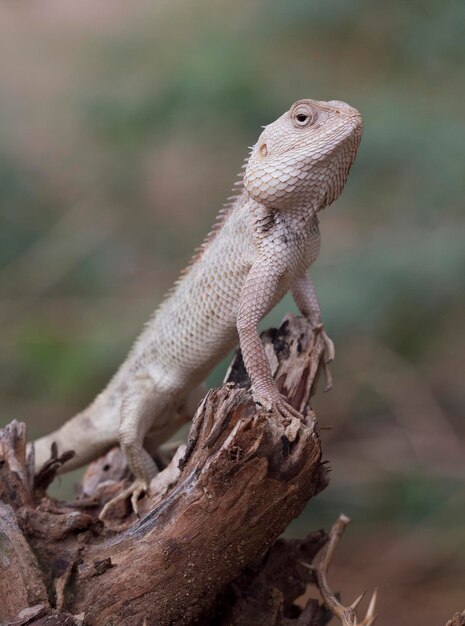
point(261, 246)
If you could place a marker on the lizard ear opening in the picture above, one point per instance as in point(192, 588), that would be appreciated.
point(263, 150)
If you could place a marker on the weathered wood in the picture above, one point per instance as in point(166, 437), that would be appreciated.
point(21, 582)
point(457, 620)
point(265, 593)
point(243, 477)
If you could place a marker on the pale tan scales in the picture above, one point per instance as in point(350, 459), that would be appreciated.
point(261, 247)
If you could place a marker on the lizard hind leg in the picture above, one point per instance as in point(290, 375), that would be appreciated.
point(143, 407)
point(179, 415)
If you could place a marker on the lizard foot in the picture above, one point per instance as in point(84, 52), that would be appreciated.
point(326, 352)
point(278, 405)
point(138, 487)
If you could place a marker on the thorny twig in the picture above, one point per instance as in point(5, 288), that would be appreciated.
point(347, 615)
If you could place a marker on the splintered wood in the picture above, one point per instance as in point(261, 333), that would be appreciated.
point(198, 553)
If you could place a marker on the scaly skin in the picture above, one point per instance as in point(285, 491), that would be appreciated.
point(261, 246)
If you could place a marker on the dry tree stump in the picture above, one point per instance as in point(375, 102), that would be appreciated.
point(457, 620)
point(204, 550)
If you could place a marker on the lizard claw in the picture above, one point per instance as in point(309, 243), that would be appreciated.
point(329, 352)
point(135, 490)
point(326, 353)
point(278, 405)
point(286, 410)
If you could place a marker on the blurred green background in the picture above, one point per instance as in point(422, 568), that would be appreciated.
point(122, 126)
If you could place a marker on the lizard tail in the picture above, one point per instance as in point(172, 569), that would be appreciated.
point(89, 434)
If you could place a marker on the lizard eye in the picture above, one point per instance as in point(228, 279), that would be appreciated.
point(303, 117)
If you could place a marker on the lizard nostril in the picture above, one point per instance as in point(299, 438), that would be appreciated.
point(263, 150)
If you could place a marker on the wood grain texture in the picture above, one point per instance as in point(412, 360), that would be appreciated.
point(200, 554)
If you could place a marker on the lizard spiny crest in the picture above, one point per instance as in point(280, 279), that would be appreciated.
point(260, 248)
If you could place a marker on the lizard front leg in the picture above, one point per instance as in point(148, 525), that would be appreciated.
point(306, 299)
point(258, 295)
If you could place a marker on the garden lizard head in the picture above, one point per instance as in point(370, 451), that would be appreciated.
point(302, 160)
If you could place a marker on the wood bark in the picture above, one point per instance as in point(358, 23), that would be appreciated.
point(457, 620)
point(204, 550)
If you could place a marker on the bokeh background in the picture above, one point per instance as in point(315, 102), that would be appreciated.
point(122, 126)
